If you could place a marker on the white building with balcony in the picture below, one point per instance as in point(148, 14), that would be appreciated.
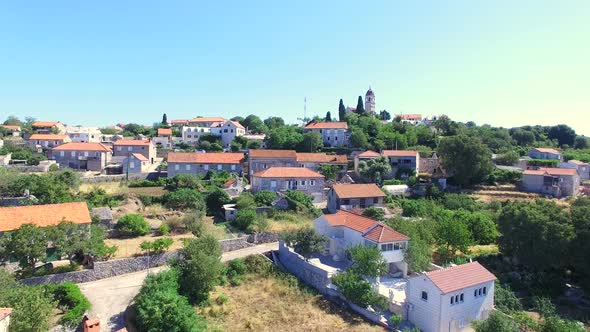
point(346, 229)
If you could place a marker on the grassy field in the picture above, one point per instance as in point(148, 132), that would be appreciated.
point(148, 191)
point(112, 188)
point(288, 221)
point(273, 304)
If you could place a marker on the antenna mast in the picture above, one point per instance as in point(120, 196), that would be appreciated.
point(305, 110)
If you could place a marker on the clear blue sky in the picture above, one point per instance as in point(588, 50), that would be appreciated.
point(101, 62)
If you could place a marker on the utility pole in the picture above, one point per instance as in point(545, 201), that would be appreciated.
point(305, 110)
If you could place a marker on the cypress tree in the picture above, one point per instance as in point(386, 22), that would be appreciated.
point(360, 106)
point(341, 111)
point(328, 117)
point(164, 119)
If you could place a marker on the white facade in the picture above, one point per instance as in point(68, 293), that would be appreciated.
point(83, 134)
point(583, 168)
point(226, 131)
point(370, 102)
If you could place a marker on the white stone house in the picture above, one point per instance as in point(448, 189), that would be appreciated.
point(47, 141)
point(201, 163)
point(226, 130)
point(545, 153)
point(47, 127)
point(582, 167)
point(83, 134)
point(450, 299)
point(556, 182)
point(277, 179)
point(333, 134)
point(345, 230)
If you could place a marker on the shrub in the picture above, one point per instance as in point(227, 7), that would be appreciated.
point(505, 300)
point(72, 301)
point(245, 201)
point(157, 246)
point(132, 225)
point(222, 299)
point(245, 219)
point(184, 199)
point(265, 198)
point(374, 212)
point(395, 320)
point(164, 229)
point(258, 265)
point(354, 288)
point(215, 201)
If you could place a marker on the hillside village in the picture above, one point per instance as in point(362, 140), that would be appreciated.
point(359, 220)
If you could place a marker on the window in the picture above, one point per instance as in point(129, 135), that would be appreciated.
point(375, 200)
point(475, 293)
point(273, 184)
point(73, 153)
point(61, 153)
point(383, 247)
point(396, 246)
point(131, 164)
point(452, 300)
point(484, 290)
point(312, 182)
point(302, 183)
point(233, 167)
point(479, 292)
point(219, 167)
point(206, 167)
point(118, 148)
point(389, 246)
point(85, 153)
point(461, 297)
point(187, 167)
point(176, 167)
point(424, 296)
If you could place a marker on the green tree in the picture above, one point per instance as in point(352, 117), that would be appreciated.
point(157, 246)
point(254, 124)
point(466, 158)
point(245, 219)
point(215, 200)
point(200, 268)
point(341, 111)
point(367, 261)
point(312, 141)
point(284, 138)
point(12, 121)
point(67, 238)
point(384, 115)
point(505, 300)
point(274, 122)
point(265, 198)
point(164, 119)
point(453, 234)
point(360, 106)
point(328, 117)
point(246, 201)
point(305, 241)
point(375, 169)
point(26, 245)
point(563, 134)
point(132, 225)
point(354, 287)
point(31, 307)
point(184, 199)
point(181, 181)
point(496, 322)
point(358, 139)
point(581, 142)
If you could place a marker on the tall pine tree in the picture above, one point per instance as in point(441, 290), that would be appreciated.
point(360, 107)
point(164, 119)
point(341, 111)
point(328, 117)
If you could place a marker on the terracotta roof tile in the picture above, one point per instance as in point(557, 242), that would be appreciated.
point(327, 125)
point(12, 218)
point(547, 150)
point(206, 158)
point(288, 172)
point(577, 162)
point(131, 142)
point(164, 131)
point(82, 147)
point(51, 137)
point(237, 124)
point(321, 158)
point(260, 153)
point(409, 116)
point(4, 312)
point(140, 157)
point(551, 171)
point(400, 153)
point(460, 276)
point(368, 154)
point(357, 190)
point(208, 119)
point(45, 123)
point(178, 121)
point(11, 127)
point(371, 229)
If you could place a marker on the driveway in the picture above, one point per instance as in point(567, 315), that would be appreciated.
point(110, 297)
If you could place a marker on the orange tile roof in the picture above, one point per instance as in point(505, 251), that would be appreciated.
point(51, 137)
point(371, 229)
point(165, 131)
point(140, 157)
point(259, 153)
point(321, 157)
point(11, 127)
point(357, 190)
point(82, 147)
point(288, 172)
point(409, 116)
point(229, 183)
point(551, 171)
point(45, 123)
point(206, 158)
point(368, 154)
point(459, 277)
point(12, 218)
point(237, 124)
point(132, 142)
point(400, 153)
point(4, 312)
point(577, 162)
point(178, 121)
point(327, 125)
point(547, 150)
point(208, 119)
point(382, 233)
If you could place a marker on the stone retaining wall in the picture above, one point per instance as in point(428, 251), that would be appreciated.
point(258, 238)
point(234, 244)
point(303, 270)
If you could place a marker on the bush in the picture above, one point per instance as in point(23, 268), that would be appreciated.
point(265, 198)
point(374, 212)
point(132, 225)
point(71, 300)
point(258, 265)
point(222, 299)
point(245, 219)
point(215, 201)
point(505, 300)
point(395, 320)
point(164, 229)
point(245, 201)
point(184, 199)
point(157, 246)
point(160, 182)
point(354, 288)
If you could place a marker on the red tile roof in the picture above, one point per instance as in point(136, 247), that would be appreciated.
point(459, 277)
point(327, 125)
point(131, 142)
point(164, 132)
point(206, 158)
point(4, 312)
point(259, 153)
point(43, 124)
point(368, 154)
point(178, 121)
point(371, 229)
point(51, 137)
point(229, 183)
point(140, 157)
point(288, 172)
point(547, 150)
point(409, 116)
point(551, 171)
point(357, 190)
point(237, 124)
point(82, 147)
point(321, 158)
point(400, 153)
point(12, 218)
point(11, 127)
point(577, 162)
